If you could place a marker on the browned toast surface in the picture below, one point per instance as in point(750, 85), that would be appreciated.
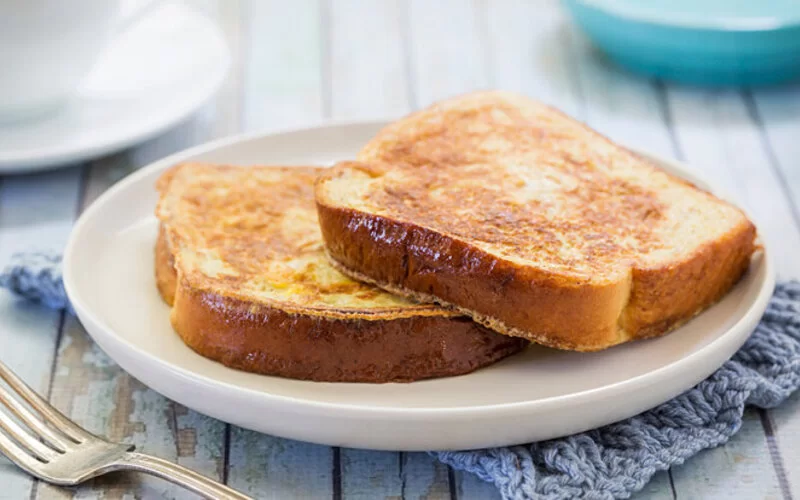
point(530, 222)
point(239, 258)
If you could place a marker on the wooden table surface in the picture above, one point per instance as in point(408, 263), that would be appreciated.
point(307, 61)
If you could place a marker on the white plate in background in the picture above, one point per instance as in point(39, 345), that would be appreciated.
point(539, 394)
point(154, 75)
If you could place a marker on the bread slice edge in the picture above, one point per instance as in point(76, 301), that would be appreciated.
point(270, 341)
point(559, 312)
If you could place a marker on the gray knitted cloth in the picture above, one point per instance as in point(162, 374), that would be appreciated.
point(613, 461)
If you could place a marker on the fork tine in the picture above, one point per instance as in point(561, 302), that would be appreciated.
point(52, 415)
point(19, 456)
point(26, 439)
point(33, 421)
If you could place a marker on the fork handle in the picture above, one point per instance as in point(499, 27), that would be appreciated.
point(177, 474)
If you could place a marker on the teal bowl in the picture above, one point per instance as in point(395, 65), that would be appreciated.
point(701, 42)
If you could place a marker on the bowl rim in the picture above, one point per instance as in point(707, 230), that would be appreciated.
point(677, 20)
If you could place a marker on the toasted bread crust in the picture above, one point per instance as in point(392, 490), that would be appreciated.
point(515, 300)
point(533, 224)
point(666, 297)
point(267, 340)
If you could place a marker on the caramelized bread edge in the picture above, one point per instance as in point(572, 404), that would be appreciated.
point(666, 297)
point(262, 339)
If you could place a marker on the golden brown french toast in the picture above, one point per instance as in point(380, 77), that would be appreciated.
point(239, 258)
point(531, 223)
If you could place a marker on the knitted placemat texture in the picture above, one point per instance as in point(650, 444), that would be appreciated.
point(613, 461)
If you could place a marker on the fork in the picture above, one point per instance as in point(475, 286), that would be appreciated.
point(58, 451)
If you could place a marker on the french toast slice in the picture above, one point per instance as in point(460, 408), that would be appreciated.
point(239, 258)
point(531, 223)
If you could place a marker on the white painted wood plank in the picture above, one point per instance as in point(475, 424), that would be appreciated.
point(424, 478)
point(658, 488)
point(469, 487)
point(228, 112)
point(619, 105)
point(785, 423)
point(367, 59)
point(447, 48)
point(368, 78)
point(283, 70)
point(451, 51)
point(737, 470)
point(35, 211)
point(628, 110)
point(370, 474)
point(530, 52)
point(376, 474)
point(716, 135)
point(274, 468)
point(282, 78)
point(92, 389)
point(553, 63)
point(778, 110)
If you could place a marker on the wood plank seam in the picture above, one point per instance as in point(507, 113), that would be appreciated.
point(337, 473)
point(408, 55)
point(243, 35)
point(669, 120)
point(427, 82)
point(766, 419)
point(775, 460)
point(82, 186)
point(774, 163)
point(681, 155)
point(326, 90)
point(401, 473)
point(369, 68)
point(672, 485)
point(239, 73)
point(669, 123)
point(241, 68)
point(226, 454)
point(776, 111)
point(481, 9)
point(451, 480)
point(326, 39)
point(172, 424)
point(575, 77)
point(774, 453)
point(582, 111)
point(239, 53)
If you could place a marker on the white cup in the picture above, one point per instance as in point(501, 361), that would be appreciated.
point(47, 47)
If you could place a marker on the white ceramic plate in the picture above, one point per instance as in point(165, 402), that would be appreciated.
point(151, 77)
point(539, 394)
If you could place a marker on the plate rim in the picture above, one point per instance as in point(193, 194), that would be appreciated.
point(754, 312)
point(27, 162)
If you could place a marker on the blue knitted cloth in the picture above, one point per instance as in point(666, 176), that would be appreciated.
point(613, 461)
